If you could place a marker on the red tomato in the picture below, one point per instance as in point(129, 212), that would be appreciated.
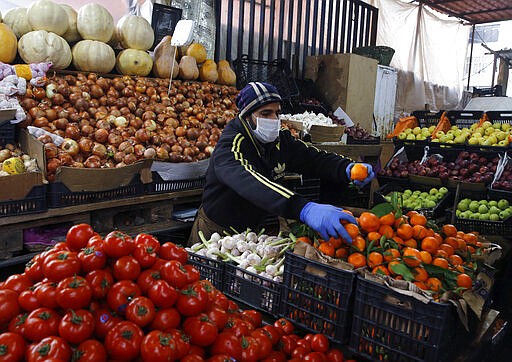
point(334, 355)
point(103, 322)
point(17, 324)
point(252, 316)
point(100, 282)
point(264, 343)
point(17, 283)
point(220, 300)
point(275, 356)
point(285, 325)
point(95, 242)
point(76, 326)
point(273, 333)
point(166, 319)
point(227, 343)
point(90, 350)
point(197, 350)
point(320, 343)
point(315, 357)
point(41, 323)
point(126, 268)
point(162, 294)
point(146, 256)
point(218, 316)
point(171, 251)
point(46, 294)
point(34, 269)
point(27, 300)
point(120, 294)
point(193, 274)
point(287, 344)
point(174, 273)
point(60, 265)
point(158, 346)
point(250, 349)
point(182, 342)
point(192, 358)
point(238, 326)
point(191, 301)
point(78, 236)
point(304, 343)
point(117, 244)
point(73, 292)
point(219, 358)
point(140, 311)
point(202, 331)
point(12, 347)
point(147, 240)
point(9, 307)
point(147, 278)
point(123, 341)
point(49, 348)
point(299, 352)
point(92, 258)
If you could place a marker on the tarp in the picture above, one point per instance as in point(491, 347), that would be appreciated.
point(430, 53)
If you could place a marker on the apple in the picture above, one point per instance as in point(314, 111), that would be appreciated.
point(463, 205)
point(439, 134)
point(496, 125)
point(402, 135)
point(483, 209)
point(473, 206)
point(503, 204)
point(411, 137)
point(486, 124)
point(505, 127)
point(416, 130)
point(494, 217)
point(473, 141)
point(484, 217)
point(503, 143)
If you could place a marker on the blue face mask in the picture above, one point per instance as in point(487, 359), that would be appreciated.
point(267, 129)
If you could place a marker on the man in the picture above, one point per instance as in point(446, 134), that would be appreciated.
point(252, 154)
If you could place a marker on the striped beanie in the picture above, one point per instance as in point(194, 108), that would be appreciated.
point(255, 95)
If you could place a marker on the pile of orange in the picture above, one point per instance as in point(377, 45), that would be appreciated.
point(407, 247)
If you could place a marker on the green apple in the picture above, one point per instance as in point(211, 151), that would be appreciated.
point(449, 137)
point(411, 137)
point(505, 127)
point(473, 141)
point(457, 213)
point(478, 134)
point(431, 129)
point(475, 216)
point(416, 192)
point(420, 137)
point(425, 132)
point(486, 124)
point(492, 203)
point(436, 140)
point(416, 130)
point(483, 209)
point(463, 205)
point(505, 214)
point(433, 191)
point(489, 131)
point(503, 204)
point(494, 210)
point(443, 190)
point(459, 139)
point(443, 139)
point(488, 142)
point(503, 143)
point(483, 202)
point(484, 217)
point(496, 125)
point(409, 192)
point(402, 135)
point(464, 215)
point(440, 134)
point(494, 217)
point(408, 130)
point(473, 206)
point(439, 196)
point(500, 136)
point(424, 194)
point(430, 204)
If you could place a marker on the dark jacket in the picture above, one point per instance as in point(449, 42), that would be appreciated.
point(242, 182)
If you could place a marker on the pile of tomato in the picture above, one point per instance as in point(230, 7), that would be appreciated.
point(118, 298)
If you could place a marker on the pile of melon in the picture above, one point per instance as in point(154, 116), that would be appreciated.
point(56, 33)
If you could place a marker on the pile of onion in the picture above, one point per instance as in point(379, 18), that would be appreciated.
point(113, 122)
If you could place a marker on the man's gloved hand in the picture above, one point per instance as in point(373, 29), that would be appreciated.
point(367, 180)
point(326, 219)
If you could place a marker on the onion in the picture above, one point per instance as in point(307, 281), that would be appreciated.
point(52, 165)
point(121, 121)
point(101, 135)
point(126, 147)
point(92, 162)
point(139, 150)
point(85, 144)
point(50, 149)
point(129, 159)
point(162, 153)
point(70, 146)
point(41, 122)
point(149, 153)
point(99, 150)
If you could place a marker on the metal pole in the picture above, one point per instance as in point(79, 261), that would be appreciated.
point(471, 53)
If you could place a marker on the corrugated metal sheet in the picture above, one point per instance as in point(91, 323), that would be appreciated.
point(384, 106)
point(474, 11)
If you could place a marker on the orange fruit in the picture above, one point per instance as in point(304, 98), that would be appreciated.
point(419, 232)
point(352, 230)
point(375, 258)
point(411, 257)
point(420, 274)
point(369, 222)
point(391, 254)
point(390, 266)
point(411, 243)
point(449, 230)
point(426, 257)
point(470, 238)
point(421, 285)
point(341, 253)
point(417, 219)
point(453, 241)
point(305, 239)
point(441, 253)
point(434, 284)
point(358, 172)
point(388, 219)
point(455, 259)
point(429, 244)
point(327, 249)
point(461, 245)
point(399, 221)
point(359, 243)
point(448, 248)
point(358, 260)
point(440, 262)
point(386, 230)
point(439, 239)
point(336, 243)
point(405, 231)
point(464, 281)
point(380, 269)
point(374, 235)
point(429, 232)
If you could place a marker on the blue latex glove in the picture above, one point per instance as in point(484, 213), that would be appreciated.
point(325, 219)
point(367, 180)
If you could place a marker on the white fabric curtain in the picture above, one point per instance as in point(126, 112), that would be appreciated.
point(430, 52)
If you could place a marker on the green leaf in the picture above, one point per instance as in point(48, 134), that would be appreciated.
point(382, 209)
point(403, 270)
point(448, 277)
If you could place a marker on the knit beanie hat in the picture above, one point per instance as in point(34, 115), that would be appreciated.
point(255, 95)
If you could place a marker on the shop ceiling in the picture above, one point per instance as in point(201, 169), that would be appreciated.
point(474, 11)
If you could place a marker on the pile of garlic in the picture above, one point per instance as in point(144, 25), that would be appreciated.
point(308, 119)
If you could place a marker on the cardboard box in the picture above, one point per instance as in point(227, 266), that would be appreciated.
point(7, 115)
point(87, 179)
point(17, 187)
point(321, 133)
point(346, 81)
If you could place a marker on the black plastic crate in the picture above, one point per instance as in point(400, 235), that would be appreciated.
point(353, 141)
point(463, 118)
point(436, 212)
point(276, 72)
point(159, 185)
point(60, 196)
point(210, 269)
point(389, 326)
point(251, 289)
point(309, 188)
point(499, 116)
point(427, 118)
point(7, 133)
point(357, 197)
point(34, 202)
point(318, 297)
